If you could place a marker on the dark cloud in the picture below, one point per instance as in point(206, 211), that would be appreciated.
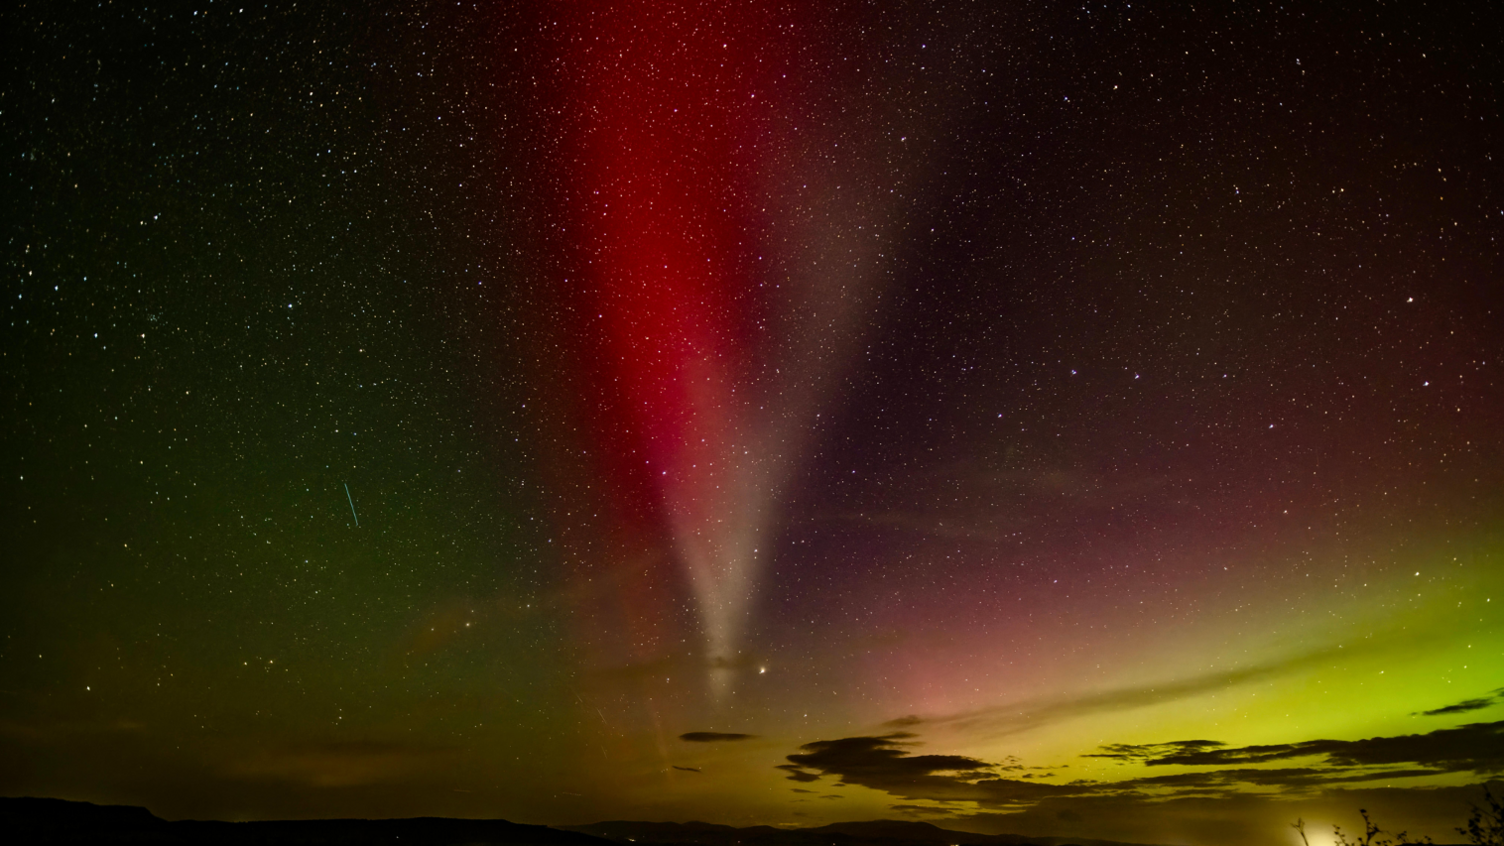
point(1229, 782)
point(1288, 779)
point(713, 736)
point(919, 809)
point(1007, 792)
point(888, 763)
point(883, 754)
point(1461, 707)
point(1478, 747)
point(884, 763)
point(686, 769)
point(1145, 752)
point(800, 790)
point(797, 773)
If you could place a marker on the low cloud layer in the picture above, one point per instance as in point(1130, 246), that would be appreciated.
point(888, 763)
point(1467, 705)
point(885, 763)
point(1476, 747)
point(713, 736)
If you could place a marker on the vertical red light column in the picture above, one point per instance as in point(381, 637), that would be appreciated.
point(655, 165)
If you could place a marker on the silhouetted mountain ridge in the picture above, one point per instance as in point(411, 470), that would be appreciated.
point(60, 822)
point(64, 823)
point(869, 833)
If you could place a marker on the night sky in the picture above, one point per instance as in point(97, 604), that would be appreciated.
point(1041, 418)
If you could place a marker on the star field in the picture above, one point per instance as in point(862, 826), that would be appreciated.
point(1071, 420)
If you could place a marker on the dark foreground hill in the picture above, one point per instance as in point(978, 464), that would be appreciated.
point(59, 822)
point(63, 823)
point(55, 821)
point(874, 833)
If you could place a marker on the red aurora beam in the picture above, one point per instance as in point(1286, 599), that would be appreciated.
point(662, 111)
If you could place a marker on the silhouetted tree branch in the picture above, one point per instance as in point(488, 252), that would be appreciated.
point(1485, 827)
point(1371, 832)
